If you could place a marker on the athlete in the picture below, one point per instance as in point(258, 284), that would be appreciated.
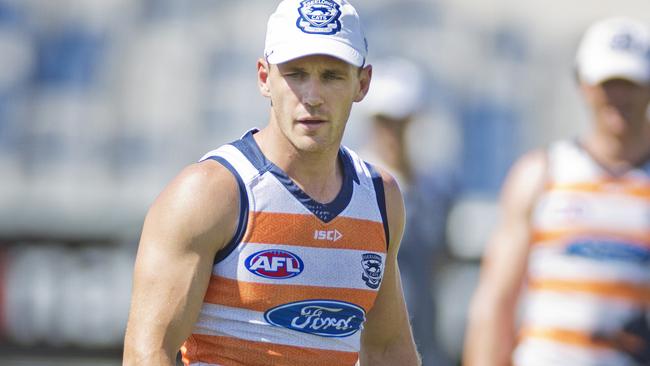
point(394, 102)
point(575, 228)
point(280, 248)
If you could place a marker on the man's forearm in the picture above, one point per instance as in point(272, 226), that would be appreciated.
point(403, 354)
point(160, 357)
point(489, 341)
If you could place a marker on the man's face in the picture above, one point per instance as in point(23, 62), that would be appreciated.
point(311, 98)
point(619, 105)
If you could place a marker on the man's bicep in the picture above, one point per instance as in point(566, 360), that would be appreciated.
point(504, 264)
point(182, 233)
point(171, 274)
point(388, 315)
point(491, 330)
point(506, 257)
point(168, 288)
point(387, 325)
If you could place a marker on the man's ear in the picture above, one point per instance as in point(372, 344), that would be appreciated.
point(365, 75)
point(263, 72)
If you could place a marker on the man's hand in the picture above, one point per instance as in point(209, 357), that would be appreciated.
point(633, 339)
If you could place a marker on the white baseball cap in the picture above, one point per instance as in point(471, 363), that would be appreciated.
point(397, 89)
point(615, 48)
point(300, 28)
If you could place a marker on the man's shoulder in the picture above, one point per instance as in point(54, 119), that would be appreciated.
point(205, 181)
point(392, 191)
point(525, 182)
point(227, 147)
point(200, 203)
point(207, 176)
point(370, 161)
point(532, 162)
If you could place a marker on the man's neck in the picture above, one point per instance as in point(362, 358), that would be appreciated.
point(390, 148)
point(319, 173)
point(619, 153)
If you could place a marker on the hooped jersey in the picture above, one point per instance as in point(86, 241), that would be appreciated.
point(294, 285)
point(589, 261)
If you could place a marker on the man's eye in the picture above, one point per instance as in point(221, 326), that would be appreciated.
point(294, 75)
point(332, 76)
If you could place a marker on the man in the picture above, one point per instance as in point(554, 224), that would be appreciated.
point(394, 102)
point(280, 248)
point(575, 226)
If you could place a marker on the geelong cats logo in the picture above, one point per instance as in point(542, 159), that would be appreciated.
point(371, 269)
point(319, 17)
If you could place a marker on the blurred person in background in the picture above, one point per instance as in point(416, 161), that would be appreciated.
point(281, 247)
point(393, 103)
point(575, 227)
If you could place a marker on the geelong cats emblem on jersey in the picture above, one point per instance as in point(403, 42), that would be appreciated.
point(319, 17)
point(371, 269)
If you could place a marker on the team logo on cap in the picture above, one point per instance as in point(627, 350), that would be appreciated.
point(626, 41)
point(319, 17)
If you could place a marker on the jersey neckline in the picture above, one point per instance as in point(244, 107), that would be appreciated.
point(326, 212)
point(643, 164)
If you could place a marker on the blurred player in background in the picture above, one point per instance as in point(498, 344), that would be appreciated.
point(393, 103)
point(281, 247)
point(575, 228)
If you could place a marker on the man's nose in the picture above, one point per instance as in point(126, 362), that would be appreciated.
point(312, 93)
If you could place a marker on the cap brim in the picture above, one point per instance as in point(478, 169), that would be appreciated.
point(321, 46)
point(608, 68)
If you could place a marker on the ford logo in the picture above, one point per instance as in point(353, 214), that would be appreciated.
point(327, 318)
point(609, 251)
point(274, 263)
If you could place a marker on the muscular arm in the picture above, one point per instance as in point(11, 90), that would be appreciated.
point(490, 336)
point(187, 224)
point(387, 337)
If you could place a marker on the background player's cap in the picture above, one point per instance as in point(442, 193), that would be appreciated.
point(309, 27)
point(615, 48)
point(397, 89)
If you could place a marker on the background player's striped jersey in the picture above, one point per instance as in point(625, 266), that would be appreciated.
point(589, 266)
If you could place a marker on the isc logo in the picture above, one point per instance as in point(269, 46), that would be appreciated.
point(274, 263)
point(331, 235)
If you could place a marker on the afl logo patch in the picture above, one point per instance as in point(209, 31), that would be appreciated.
point(325, 318)
point(372, 271)
point(275, 264)
point(319, 17)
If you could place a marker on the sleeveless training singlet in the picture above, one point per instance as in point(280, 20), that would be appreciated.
point(297, 280)
point(589, 263)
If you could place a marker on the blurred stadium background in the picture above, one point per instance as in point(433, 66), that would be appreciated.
point(103, 101)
